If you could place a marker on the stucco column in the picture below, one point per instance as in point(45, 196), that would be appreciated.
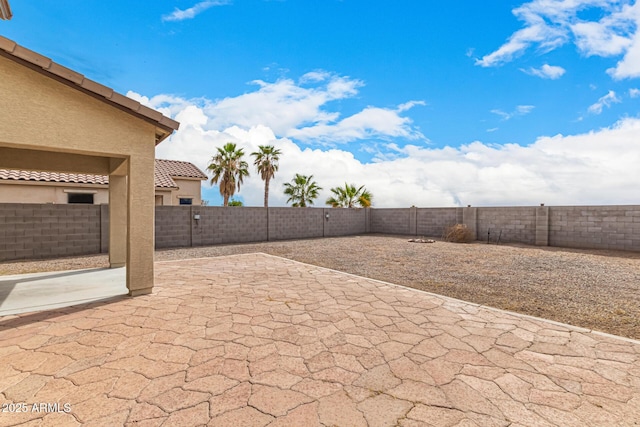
point(141, 223)
point(117, 221)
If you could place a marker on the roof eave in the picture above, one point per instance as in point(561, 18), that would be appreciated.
point(190, 178)
point(163, 133)
point(5, 10)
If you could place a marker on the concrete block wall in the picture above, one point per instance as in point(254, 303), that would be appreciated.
point(599, 227)
point(173, 226)
point(203, 230)
point(433, 221)
point(391, 221)
point(32, 231)
point(176, 226)
point(518, 224)
point(344, 222)
point(542, 226)
point(295, 223)
point(470, 219)
point(219, 225)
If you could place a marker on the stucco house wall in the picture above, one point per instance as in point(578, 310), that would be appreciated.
point(187, 188)
point(41, 187)
point(33, 192)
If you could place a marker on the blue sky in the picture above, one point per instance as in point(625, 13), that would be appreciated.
point(425, 103)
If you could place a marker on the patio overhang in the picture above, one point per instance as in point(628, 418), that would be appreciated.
point(57, 120)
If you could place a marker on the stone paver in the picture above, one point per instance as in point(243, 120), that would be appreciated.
point(259, 340)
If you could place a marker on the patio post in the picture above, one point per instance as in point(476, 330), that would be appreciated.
point(140, 212)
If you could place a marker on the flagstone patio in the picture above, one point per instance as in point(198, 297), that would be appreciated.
point(256, 340)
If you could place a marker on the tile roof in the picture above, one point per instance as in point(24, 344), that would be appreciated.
point(40, 63)
point(165, 170)
point(180, 168)
point(75, 178)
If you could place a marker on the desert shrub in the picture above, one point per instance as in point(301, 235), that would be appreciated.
point(458, 233)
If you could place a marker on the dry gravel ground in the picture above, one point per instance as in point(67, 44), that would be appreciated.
point(590, 288)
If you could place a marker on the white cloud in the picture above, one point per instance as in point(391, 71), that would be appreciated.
point(599, 39)
point(283, 105)
point(524, 109)
point(561, 170)
point(521, 110)
point(629, 66)
point(634, 93)
point(547, 71)
point(372, 122)
point(409, 105)
point(521, 40)
point(549, 24)
point(315, 76)
point(604, 101)
point(190, 13)
point(297, 110)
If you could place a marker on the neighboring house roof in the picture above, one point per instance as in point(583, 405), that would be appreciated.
point(165, 171)
point(74, 178)
point(44, 65)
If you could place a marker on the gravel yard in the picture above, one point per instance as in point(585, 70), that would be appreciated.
point(594, 289)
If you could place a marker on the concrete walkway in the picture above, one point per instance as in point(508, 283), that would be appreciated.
point(255, 340)
point(43, 291)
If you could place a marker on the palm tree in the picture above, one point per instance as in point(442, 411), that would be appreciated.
point(266, 161)
point(348, 196)
point(229, 169)
point(301, 191)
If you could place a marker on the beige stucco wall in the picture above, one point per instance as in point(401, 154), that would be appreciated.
point(187, 188)
point(43, 115)
point(64, 119)
point(37, 192)
point(45, 192)
point(163, 197)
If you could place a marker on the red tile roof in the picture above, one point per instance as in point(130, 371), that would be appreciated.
point(76, 178)
point(165, 170)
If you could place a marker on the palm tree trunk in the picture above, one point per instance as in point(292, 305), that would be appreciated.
point(266, 192)
point(226, 200)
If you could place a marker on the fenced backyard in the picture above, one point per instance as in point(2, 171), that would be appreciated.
point(34, 231)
